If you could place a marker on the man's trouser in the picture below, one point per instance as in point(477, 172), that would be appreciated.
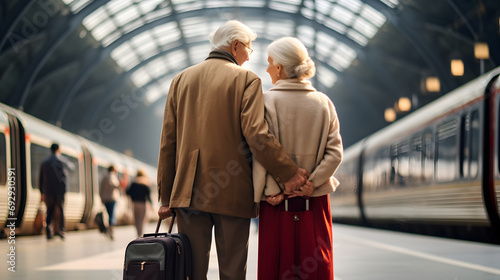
point(231, 239)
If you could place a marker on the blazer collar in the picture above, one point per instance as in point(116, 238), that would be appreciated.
point(293, 84)
point(222, 55)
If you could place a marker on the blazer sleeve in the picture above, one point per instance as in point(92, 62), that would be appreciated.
point(333, 152)
point(263, 145)
point(167, 155)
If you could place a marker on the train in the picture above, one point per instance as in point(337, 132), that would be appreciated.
point(435, 171)
point(25, 142)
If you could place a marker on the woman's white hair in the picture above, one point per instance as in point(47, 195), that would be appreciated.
point(293, 56)
point(230, 31)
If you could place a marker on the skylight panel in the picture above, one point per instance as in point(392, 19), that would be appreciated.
point(335, 25)
point(92, 20)
point(156, 14)
point(391, 3)
point(104, 29)
point(373, 16)
point(147, 6)
point(133, 25)
point(306, 34)
point(106, 41)
point(189, 7)
point(167, 33)
point(307, 13)
point(157, 68)
point(199, 53)
point(250, 3)
point(125, 57)
point(326, 77)
point(140, 77)
point(218, 4)
point(147, 49)
point(78, 5)
point(353, 5)
point(126, 16)
point(142, 39)
point(284, 7)
point(116, 6)
point(342, 15)
point(364, 27)
point(357, 37)
point(177, 57)
point(323, 6)
point(154, 93)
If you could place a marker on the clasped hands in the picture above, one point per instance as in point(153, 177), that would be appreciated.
point(298, 185)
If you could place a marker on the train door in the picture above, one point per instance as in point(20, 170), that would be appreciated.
point(491, 186)
point(17, 170)
point(7, 181)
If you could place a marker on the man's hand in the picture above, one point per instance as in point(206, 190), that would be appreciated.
point(275, 199)
point(164, 212)
point(305, 190)
point(296, 181)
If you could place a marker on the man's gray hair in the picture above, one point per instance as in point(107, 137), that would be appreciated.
point(232, 30)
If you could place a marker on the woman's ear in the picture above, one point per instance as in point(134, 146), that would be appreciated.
point(279, 68)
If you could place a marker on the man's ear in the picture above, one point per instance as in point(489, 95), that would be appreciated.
point(234, 45)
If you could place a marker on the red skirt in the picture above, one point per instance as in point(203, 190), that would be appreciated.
point(313, 240)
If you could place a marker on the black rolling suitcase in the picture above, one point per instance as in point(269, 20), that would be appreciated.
point(158, 256)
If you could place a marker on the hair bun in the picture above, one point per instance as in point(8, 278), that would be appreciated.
point(306, 69)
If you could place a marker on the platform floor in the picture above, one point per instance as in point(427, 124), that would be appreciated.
point(360, 254)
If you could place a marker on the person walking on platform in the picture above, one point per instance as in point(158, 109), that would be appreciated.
point(213, 123)
point(140, 194)
point(297, 245)
point(54, 182)
point(110, 193)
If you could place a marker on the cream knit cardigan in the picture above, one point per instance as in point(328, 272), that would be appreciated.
point(305, 122)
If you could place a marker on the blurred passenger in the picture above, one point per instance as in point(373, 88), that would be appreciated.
point(140, 194)
point(306, 124)
point(110, 193)
point(54, 182)
point(214, 116)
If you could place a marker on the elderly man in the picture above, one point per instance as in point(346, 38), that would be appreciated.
point(213, 123)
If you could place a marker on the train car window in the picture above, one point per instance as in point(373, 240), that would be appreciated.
point(384, 163)
point(369, 173)
point(427, 157)
point(74, 175)
point(38, 154)
point(403, 164)
point(416, 160)
point(3, 160)
point(474, 145)
point(464, 151)
point(101, 171)
point(446, 165)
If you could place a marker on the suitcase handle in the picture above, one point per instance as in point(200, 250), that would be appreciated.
point(158, 227)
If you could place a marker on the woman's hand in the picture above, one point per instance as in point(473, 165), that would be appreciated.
point(275, 199)
point(305, 190)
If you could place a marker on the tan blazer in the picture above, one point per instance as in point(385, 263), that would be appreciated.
point(213, 115)
point(306, 124)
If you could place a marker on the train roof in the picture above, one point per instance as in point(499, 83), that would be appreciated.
point(468, 92)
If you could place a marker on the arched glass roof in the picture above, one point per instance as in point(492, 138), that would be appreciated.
point(178, 36)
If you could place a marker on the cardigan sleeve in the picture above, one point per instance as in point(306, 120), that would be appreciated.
point(263, 145)
point(333, 152)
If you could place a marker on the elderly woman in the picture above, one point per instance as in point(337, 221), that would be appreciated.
point(306, 124)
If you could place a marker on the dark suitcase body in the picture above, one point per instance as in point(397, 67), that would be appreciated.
point(158, 256)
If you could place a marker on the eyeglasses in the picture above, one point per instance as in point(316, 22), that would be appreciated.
point(249, 50)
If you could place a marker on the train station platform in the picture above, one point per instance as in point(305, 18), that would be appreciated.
point(359, 253)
